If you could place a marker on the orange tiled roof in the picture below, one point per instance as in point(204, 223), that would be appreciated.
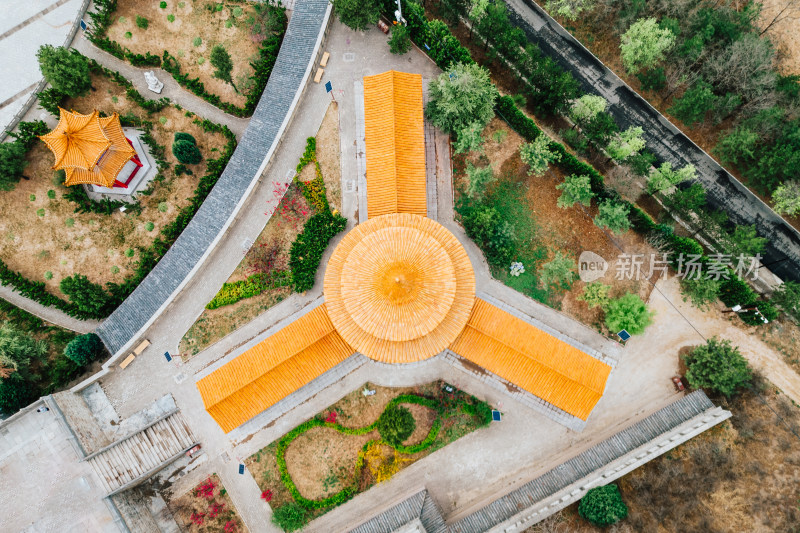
point(89, 148)
point(395, 141)
point(273, 369)
point(532, 359)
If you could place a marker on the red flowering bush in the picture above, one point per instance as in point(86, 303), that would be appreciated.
point(205, 489)
point(331, 417)
point(215, 509)
point(197, 518)
point(266, 495)
point(230, 526)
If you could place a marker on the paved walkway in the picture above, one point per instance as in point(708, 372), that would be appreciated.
point(50, 314)
point(173, 91)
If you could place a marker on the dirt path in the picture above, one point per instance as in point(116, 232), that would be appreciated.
point(667, 333)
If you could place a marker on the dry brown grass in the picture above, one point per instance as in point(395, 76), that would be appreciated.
point(739, 476)
point(93, 244)
point(192, 20)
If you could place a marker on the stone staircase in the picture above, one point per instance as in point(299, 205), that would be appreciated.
point(129, 461)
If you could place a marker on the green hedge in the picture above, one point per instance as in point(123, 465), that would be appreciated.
point(307, 249)
point(230, 293)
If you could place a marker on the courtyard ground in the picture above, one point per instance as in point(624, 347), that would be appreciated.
point(46, 240)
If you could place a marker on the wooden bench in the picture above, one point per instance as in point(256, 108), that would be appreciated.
point(318, 76)
point(324, 61)
point(140, 348)
point(128, 360)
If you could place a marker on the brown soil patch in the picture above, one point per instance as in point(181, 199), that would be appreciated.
point(739, 476)
point(784, 336)
point(275, 240)
point(316, 478)
point(784, 33)
point(191, 504)
point(192, 20)
point(329, 155)
point(46, 235)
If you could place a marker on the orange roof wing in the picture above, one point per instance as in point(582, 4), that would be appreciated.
point(534, 360)
point(273, 369)
point(78, 141)
point(394, 136)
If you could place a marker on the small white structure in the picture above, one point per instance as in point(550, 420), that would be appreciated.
point(152, 82)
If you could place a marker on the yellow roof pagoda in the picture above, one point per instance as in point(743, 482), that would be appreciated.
point(89, 148)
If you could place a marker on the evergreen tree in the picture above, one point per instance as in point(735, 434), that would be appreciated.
point(628, 312)
point(400, 41)
point(614, 216)
point(461, 97)
point(538, 155)
point(575, 189)
point(66, 70)
point(478, 178)
point(12, 164)
point(719, 366)
point(357, 14)
point(221, 61)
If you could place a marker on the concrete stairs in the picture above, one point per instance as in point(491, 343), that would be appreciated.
point(129, 461)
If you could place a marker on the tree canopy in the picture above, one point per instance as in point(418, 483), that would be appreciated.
point(477, 179)
point(357, 14)
point(626, 144)
point(463, 96)
point(221, 61)
point(470, 139)
point(719, 366)
point(66, 70)
point(575, 189)
point(628, 312)
point(538, 155)
point(614, 216)
point(569, 9)
point(644, 44)
point(12, 163)
point(603, 506)
point(559, 272)
point(585, 108)
point(662, 178)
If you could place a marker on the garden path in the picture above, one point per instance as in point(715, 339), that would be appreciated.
point(173, 91)
point(49, 314)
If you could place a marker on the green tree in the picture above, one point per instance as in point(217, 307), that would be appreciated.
point(569, 9)
point(142, 22)
point(600, 128)
point(585, 108)
point(628, 312)
point(358, 14)
point(477, 10)
point(186, 152)
point(538, 155)
point(626, 144)
point(12, 164)
point(719, 366)
point(688, 200)
point(15, 393)
point(84, 349)
point(18, 350)
point(695, 103)
point(290, 516)
point(786, 197)
point(451, 10)
point(400, 41)
point(396, 424)
point(89, 297)
point(787, 297)
point(559, 272)
point(641, 163)
point(745, 241)
point(477, 179)
point(221, 61)
point(738, 147)
point(702, 291)
point(66, 70)
point(614, 216)
point(470, 139)
point(491, 233)
point(595, 294)
point(461, 97)
point(644, 45)
point(603, 506)
point(575, 189)
point(662, 178)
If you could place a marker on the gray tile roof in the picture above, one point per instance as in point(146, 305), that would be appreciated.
point(298, 45)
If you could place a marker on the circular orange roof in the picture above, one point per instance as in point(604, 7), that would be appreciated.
point(399, 288)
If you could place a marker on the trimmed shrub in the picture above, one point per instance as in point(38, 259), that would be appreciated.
point(88, 297)
point(290, 517)
point(603, 506)
point(254, 285)
point(719, 366)
point(306, 251)
point(84, 349)
point(396, 424)
point(628, 312)
point(142, 22)
point(183, 136)
point(186, 152)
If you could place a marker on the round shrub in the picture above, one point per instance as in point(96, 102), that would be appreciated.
point(48, 275)
point(171, 18)
point(149, 226)
point(51, 194)
point(162, 120)
point(186, 152)
point(201, 60)
point(163, 207)
point(290, 517)
point(396, 424)
point(40, 212)
point(628, 312)
point(128, 35)
point(197, 41)
point(32, 197)
point(718, 366)
point(603, 506)
point(129, 252)
point(84, 349)
point(115, 269)
point(69, 222)
point(163, 5)
point(142, 22)
point(183, 136)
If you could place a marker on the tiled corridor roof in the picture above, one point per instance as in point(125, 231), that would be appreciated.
point(532, 359)
point(395, 143)
point(273, 369)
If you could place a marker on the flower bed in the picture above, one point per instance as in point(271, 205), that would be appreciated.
point(207, 508)
point(450, 416)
